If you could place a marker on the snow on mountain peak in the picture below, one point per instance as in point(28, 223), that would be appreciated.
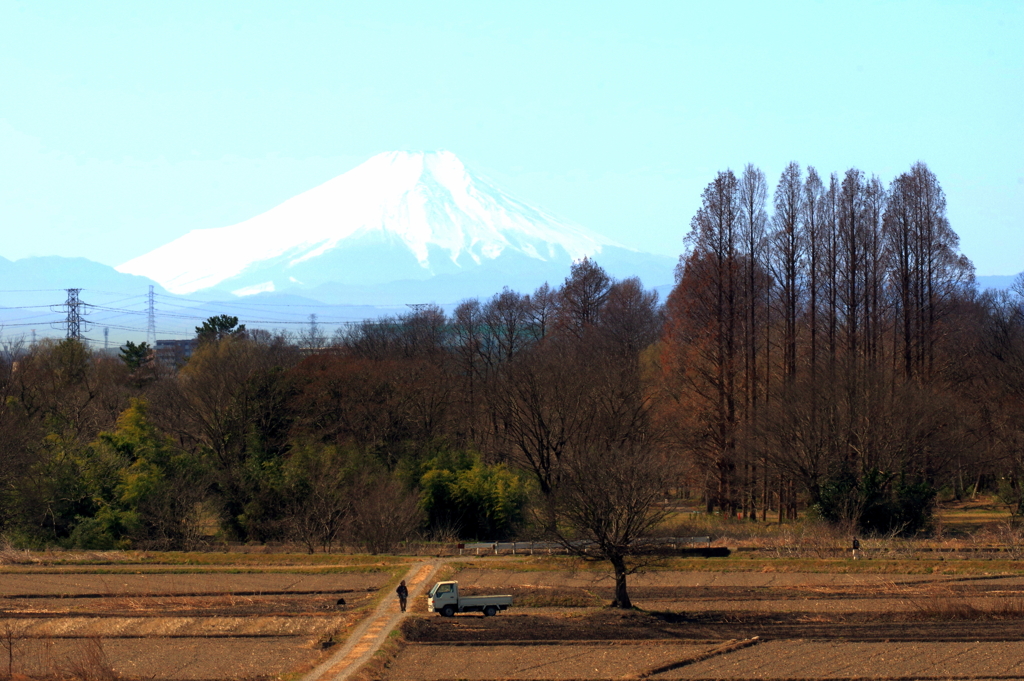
point(423, 204)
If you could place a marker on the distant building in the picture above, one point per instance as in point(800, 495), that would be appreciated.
point(174, 353)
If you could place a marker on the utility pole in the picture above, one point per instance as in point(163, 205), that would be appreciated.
point(151, 326)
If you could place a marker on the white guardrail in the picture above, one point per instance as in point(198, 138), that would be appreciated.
point(549, 546)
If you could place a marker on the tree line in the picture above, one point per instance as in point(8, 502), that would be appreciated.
point(824, 343)
point(823, 348)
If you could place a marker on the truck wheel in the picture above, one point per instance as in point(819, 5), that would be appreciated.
point(490, 611)
point(448, 611)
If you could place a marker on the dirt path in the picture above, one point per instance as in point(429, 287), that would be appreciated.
point(373, 631)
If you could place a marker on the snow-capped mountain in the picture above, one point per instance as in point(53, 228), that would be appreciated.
point(399, 216)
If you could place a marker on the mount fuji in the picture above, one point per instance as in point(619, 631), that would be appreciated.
point(401, 224)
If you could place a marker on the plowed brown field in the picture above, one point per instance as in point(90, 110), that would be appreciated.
point(176, 624)
point(199, 625)
point(729, 625)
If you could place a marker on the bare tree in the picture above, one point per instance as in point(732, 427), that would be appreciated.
point(507, 319)
point(876, 266)
point(928, 273)
point(753, 221)
point(19, 433)
point(582, 296)
point(420, 333)
point(469, 351)
point(543, 309)
point(566, 394)
point(830, 263)
point(788, 248)
point(543, 409)
point(632, 318)
point(11, 635)
point(703, 335)
point(607, 503)
point(318, 493)
point(1001, 391)
point(812, 238)
point(230, 404)
point(384, 515)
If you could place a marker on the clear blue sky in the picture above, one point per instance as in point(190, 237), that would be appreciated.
point(126, 124)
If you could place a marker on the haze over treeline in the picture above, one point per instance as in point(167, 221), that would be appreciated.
point(823, 348)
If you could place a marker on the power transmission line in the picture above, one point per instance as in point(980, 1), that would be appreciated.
point(74, 310)
point(151, 327)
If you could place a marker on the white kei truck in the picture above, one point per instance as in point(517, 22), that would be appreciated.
point(444, 600)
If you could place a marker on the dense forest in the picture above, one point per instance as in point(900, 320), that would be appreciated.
point(823, 350)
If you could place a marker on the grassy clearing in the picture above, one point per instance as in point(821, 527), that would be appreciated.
point(964, 523)
point(969, 516)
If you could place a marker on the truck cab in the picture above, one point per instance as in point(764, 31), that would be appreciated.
point(442, 594)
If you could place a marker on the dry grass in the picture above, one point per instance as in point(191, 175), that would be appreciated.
point(10, 635)
point(238, 557)
point(12, 556)
point(1007, 536)
point(967, 609)
point(446, 572)
point(199, 570)
point(545, 596)
point(89, 663)
point(983, 527)
point(966, 517)
point(943, 602)
point(750, 561)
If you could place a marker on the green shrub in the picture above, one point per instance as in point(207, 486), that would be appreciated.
point(459, 492)
point(877, 502)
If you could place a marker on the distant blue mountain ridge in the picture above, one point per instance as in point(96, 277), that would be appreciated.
point(35, 280)
point(32, 291)
point(996, 281)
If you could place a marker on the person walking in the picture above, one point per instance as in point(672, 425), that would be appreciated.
point(403, 595)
